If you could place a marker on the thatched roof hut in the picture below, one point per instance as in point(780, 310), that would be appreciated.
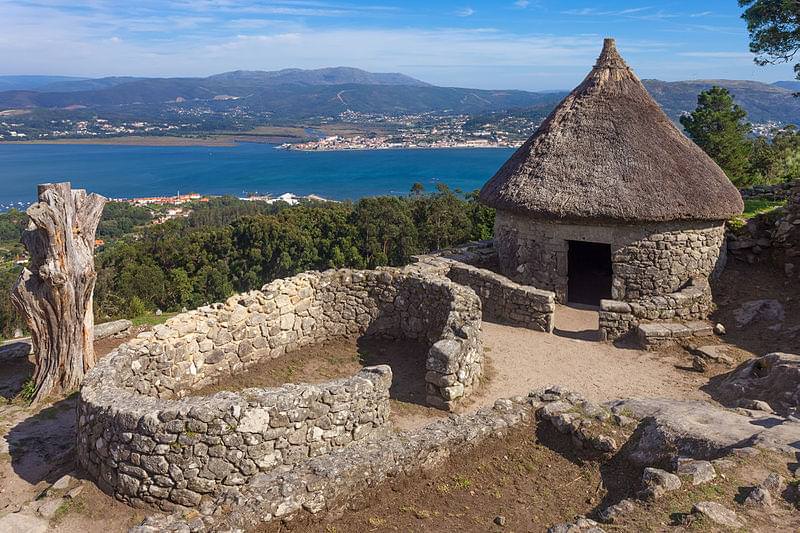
point(609, 153)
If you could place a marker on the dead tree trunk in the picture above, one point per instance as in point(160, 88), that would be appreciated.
point(54, 293)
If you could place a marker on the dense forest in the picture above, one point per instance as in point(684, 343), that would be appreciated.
point(228, 245)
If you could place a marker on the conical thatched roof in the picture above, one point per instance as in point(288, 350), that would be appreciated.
point(608, 152)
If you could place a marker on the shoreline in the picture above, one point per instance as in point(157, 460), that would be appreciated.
point(214, 140)
point(381, 149)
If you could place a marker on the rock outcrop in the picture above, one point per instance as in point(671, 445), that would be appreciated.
point(774, 379)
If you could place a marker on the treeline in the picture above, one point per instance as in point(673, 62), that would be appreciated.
point(720, 128)
point(230, 246)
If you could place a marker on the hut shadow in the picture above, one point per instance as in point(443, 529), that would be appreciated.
point(590, 335)
point(406, 357)
point(741, 282)
point(42, 446)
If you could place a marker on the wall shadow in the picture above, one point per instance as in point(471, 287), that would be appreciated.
point(620, 478)
point(406, 357)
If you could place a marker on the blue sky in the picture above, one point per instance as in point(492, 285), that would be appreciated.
point(521, 44)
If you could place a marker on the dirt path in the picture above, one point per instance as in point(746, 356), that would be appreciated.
point(521, 360)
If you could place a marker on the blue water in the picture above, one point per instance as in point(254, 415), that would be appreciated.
point(130, 171)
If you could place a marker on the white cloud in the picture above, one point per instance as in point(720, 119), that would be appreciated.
point(522, 4)
point(594, 12)
point(465, 12)
point(719, 55)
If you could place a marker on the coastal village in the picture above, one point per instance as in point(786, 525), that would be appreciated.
point(620, 355)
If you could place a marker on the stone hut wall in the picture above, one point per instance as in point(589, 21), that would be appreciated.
point(505, 301)
point(148, 443)
point(647, 260)
point(618, 318)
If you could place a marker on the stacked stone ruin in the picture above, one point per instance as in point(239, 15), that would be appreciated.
point(774, 235)
point(149, 441)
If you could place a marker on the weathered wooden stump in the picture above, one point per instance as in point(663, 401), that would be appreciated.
point(54, 293)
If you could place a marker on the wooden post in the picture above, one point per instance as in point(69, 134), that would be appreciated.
point(54, 293)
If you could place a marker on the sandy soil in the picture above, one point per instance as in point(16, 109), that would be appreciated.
point(221, 139)
point(522, 360)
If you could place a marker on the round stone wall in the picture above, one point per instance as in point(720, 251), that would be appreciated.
point(647, 259)
point(147, 442)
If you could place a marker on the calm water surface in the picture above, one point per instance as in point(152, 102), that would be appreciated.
point(127, 171)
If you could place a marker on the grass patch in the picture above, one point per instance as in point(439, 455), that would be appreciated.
point(756, 206)
point(28, 390)
point(152, 320)
point(752, 208)
point(462, 482)
point(69, 506)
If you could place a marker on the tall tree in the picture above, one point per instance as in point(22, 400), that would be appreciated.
point(774, 27)
point(54, 293)
point(718, 126)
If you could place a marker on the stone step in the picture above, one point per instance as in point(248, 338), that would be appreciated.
point(656, 335)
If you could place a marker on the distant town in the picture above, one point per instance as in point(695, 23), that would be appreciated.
point(179, 205)
point(365, 131)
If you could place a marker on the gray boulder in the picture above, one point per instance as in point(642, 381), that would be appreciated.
point(769, 311)
point(699, 471)
point(718, 514)
point(110, 329)
point(759, 497)
point(774, 379)
point(700, 430)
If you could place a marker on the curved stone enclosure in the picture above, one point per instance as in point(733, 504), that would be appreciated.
point(148, 443)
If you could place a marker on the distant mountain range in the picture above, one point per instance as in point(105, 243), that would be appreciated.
point(763, 102)
point(296, 94)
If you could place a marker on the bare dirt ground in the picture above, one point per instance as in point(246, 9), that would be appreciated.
point(342, 358)
point(529, 477)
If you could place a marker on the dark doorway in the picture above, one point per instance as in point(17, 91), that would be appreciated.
point(589, 272)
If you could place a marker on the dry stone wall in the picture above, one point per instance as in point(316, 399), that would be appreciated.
point(772, 235)
point(148, 442)
point(647, 260)
point(328, 484)
point(693, 303)
point(502, 299)
point(505, 301)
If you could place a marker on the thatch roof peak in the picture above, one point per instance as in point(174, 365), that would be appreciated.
point(609, 57)
point(608, 152)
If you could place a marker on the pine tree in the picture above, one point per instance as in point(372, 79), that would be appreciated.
point(718, 127)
